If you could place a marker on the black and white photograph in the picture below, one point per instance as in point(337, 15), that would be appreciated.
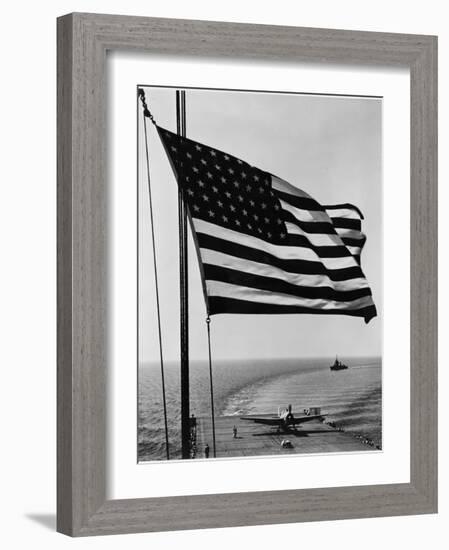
point(259, 273)
point(220, 282)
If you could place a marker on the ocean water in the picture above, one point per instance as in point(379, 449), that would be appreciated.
point(352, 398)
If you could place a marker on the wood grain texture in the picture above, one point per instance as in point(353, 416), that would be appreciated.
point(83, 40)
point(64, 278)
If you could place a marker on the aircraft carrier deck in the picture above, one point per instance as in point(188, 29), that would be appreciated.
point(258, 439)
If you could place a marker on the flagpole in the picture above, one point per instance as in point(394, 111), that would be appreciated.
point(183, 288)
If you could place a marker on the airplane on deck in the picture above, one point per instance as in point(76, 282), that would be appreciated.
point(285, 420)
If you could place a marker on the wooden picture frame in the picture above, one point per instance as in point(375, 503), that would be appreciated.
point(83, 40)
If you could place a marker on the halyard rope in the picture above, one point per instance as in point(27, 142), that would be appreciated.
point(147, 114)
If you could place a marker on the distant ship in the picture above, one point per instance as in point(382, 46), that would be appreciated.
point(338, 365)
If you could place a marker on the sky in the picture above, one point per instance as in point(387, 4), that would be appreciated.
point(329, 146)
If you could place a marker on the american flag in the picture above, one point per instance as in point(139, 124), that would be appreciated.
point(264, 245)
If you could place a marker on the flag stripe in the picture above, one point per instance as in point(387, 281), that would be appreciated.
point(309, 209)
point(238, 292)
point(305, 215)
point(287, 251)
point(278, 286)
point(300, 202)
point(313, 227)
point(324, 246)
point(347, 223)
point(219, 304)
point(345, 206)
point(351, 234)
point(215, 258)
point(322, 251)
point(354, 250)
point(292, 265)
point(317, 239)
point(324, 223)
point(343, 213)
point(348, 241)
point(278, 251)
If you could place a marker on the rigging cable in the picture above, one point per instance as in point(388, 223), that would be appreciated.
point(211, 384)
point(147, 114)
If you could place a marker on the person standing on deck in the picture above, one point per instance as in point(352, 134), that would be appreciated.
point(206, 450)
point(234, 431)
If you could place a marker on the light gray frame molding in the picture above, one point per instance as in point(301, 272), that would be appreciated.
point(83, 40)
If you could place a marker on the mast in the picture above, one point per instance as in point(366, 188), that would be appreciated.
point(183, 289)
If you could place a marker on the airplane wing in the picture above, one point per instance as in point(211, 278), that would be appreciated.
point(269, 420)
point(301, 419)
